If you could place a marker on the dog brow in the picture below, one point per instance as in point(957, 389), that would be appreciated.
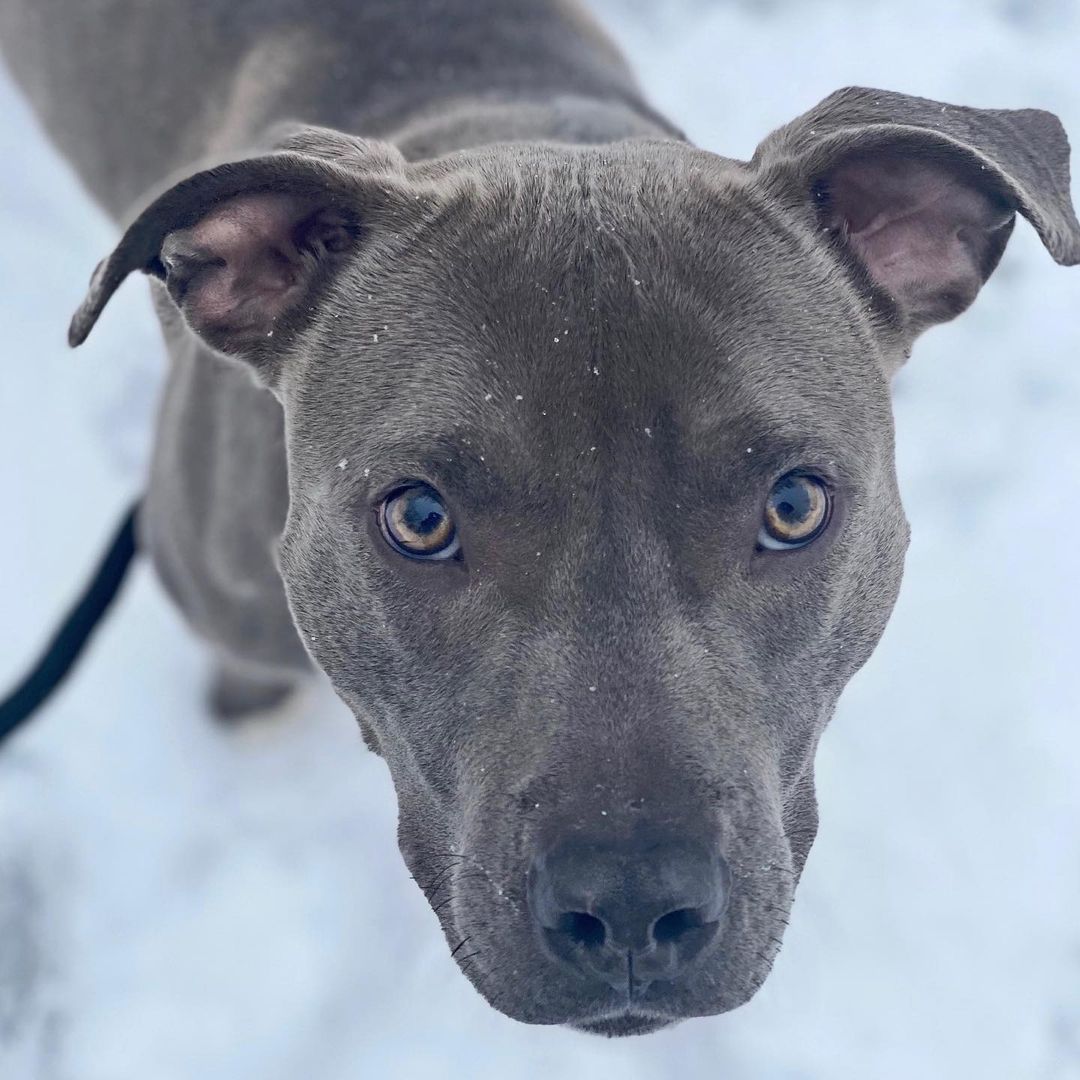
point(461, 464)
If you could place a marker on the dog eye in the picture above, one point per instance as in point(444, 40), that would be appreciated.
point(796, 512)
point(415, 522)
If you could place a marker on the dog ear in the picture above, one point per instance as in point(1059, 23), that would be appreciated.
point(242, 247)
point(920, 197)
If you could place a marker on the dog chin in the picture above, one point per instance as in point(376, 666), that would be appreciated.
point(629, 1022)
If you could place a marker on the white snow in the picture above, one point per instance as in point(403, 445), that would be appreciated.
point(177, 901)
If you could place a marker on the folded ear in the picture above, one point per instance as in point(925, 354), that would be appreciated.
point(242, 247)
point(921, 197)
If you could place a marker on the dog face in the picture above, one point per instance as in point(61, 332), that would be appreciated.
point(593, 509)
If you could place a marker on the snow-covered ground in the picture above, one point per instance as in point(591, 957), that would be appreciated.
point(177, 901)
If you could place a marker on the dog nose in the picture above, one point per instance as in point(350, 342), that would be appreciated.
point(629, 913)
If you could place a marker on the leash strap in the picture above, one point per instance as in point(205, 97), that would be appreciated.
point(71, 638)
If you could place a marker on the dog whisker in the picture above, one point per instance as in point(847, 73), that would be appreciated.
point(443, 903)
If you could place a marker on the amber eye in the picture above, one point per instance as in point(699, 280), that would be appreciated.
point(415, 522)
point(796, 512)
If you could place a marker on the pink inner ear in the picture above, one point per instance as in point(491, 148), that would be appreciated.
point(925, 236)
point(246, 263)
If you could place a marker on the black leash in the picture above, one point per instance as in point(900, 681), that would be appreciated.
point(70, 640)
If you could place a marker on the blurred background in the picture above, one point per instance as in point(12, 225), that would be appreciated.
point(177, 901)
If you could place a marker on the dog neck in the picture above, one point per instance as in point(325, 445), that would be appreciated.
point(439, 80)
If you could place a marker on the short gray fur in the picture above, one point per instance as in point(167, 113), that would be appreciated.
point(521, 285)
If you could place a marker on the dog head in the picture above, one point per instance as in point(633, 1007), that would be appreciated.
point(593, 506)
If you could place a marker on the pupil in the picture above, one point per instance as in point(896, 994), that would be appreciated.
point(423, 515)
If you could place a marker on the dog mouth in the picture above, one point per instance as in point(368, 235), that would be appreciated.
point(622, 1022)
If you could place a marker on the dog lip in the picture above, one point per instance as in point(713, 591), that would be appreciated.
point(626, 1020)
point(644, 1003)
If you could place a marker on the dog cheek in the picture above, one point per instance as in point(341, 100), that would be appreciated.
point(868, 590)
point(407, 668)
point(800, 819)
point(341, 617)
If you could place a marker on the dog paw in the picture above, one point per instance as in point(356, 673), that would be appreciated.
point(234, 696)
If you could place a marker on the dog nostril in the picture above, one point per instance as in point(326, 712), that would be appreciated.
point(582, 928)
point(676, 924)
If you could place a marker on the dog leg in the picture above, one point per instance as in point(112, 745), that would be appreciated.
point(236, 694)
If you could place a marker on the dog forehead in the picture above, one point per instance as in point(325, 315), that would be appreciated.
point(501, 436)
point(637, 250)
point(597, 298)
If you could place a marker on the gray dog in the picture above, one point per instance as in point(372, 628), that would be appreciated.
point(564, 448)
